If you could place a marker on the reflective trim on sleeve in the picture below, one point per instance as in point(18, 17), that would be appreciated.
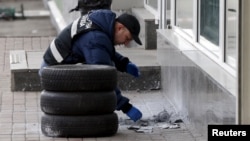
point(55, 52)
point(74, 28)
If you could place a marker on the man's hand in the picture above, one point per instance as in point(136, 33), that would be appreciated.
point(133, 69)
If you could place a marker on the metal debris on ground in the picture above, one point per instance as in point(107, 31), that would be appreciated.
point(145, 130)
point(162, 120)
point(170, 126)
point(163, 116)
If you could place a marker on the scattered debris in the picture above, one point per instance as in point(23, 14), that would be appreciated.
point(134, 127)
point(178, 121)
point(162, 120)
point(170, 126)
point(144, 130)
point(163, 116)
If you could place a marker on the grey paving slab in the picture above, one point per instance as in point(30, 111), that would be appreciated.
point(34, 58)
point(18, 60)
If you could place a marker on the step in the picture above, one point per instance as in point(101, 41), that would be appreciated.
point(24, 67)
point(33, 14)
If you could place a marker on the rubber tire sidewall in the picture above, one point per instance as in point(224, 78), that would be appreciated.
point(79, 78)
point(79, 126)
point(78, 103)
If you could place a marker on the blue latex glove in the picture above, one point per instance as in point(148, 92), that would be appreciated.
point(133, 70)
point(134, 114)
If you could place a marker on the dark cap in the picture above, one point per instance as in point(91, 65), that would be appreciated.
point(132, 24)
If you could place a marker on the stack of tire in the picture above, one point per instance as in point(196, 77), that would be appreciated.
point(78, 101)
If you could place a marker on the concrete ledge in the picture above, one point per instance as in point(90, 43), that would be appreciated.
point(25, 66)
point(148, 27)
point(150, 79)
point(23, 76)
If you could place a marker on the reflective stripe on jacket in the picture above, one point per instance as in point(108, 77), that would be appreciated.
point(61, 47)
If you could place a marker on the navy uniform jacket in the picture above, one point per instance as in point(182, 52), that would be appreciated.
point(97, 47)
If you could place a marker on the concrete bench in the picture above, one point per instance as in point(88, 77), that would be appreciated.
point(148, 27)
point(24, 66)
point(24, 70)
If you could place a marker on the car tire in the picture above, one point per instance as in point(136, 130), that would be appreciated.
point(79, 78)
point(79, 126)
point(77, 103)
